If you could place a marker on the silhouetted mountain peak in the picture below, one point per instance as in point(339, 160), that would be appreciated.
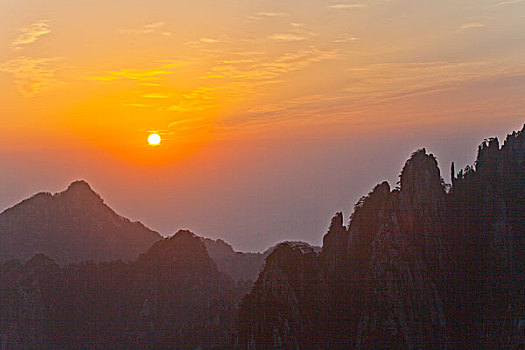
point(337, 221)
point(182, 246)
point(79, 185)
point(40, 260)
point(80, 189)
point(70, 226)
point(420, 171)
point(297, 247)
point(238, 265)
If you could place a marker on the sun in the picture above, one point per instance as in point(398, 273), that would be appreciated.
point(154, 139)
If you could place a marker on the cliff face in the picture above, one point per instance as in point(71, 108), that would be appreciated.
point(420, 266)
point(172, 296)
point(283, 310)
point(489, 253)
point(70, 226)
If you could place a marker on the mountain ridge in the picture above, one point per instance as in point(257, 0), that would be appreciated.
point(71, 226)
point(423, 265)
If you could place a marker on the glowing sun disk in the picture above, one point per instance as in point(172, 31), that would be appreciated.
point(154, 139)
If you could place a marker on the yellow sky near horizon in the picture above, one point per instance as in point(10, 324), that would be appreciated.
point(107, 74)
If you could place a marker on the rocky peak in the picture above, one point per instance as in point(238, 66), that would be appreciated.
point(80, 190)
point(286, 250)
point(335, 244)
point(284, 309)
point(421, 175)
point(238, 265)
point(335, 233)
point(364, 220)
point(422, 210)
point(487, 160)
point(337, 222)
point(183, 241)
point(217, 247)
point(516, 140)
point(183, 252)
point(40, 261)
point(79, 185)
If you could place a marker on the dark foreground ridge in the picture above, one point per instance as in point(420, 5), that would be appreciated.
point(424, 265)
point(172, 296)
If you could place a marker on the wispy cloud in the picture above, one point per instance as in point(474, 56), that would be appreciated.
point(133, 74)
point(183, 121)
point(151, 28)
point(202, 42)
point(266, 14)
point(509, 2)
point(345, 38)
point(472, 25)
point(32, 75)
point(31, 33)
point(156, 95)
point(287, 37)
point(137, 105)
point(268, 69)
point(346, 6)
point(374, 87)
point(297, 32)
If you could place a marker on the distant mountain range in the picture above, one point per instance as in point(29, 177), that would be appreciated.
point(424, 265)
point(238, 265)
point(76, 225)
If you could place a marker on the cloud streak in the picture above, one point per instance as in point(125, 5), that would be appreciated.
point(287, 37)
point(266, 14)
point(143, 75)
point(151, 28)
point(346, 6)
point(472, 25)
point(31, 33)
point(509, 2)
point(32, 75)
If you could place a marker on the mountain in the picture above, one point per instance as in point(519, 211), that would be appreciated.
point(171, 297)
point(423, 265)
point(238, 265)
point(282, 310)
point(71, 226)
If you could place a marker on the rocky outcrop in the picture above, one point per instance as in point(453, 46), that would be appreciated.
point(70, 226)
point(425, 265)
point(402, 307)
point(284, 309)
point(489, 253)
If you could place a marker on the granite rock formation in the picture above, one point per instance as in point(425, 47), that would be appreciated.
point(423, 265)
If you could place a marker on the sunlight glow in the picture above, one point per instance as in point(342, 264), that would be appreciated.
point(154, 139)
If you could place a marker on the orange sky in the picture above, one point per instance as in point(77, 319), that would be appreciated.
point(249, 98)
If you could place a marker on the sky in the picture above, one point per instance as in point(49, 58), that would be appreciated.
point(273, 115)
